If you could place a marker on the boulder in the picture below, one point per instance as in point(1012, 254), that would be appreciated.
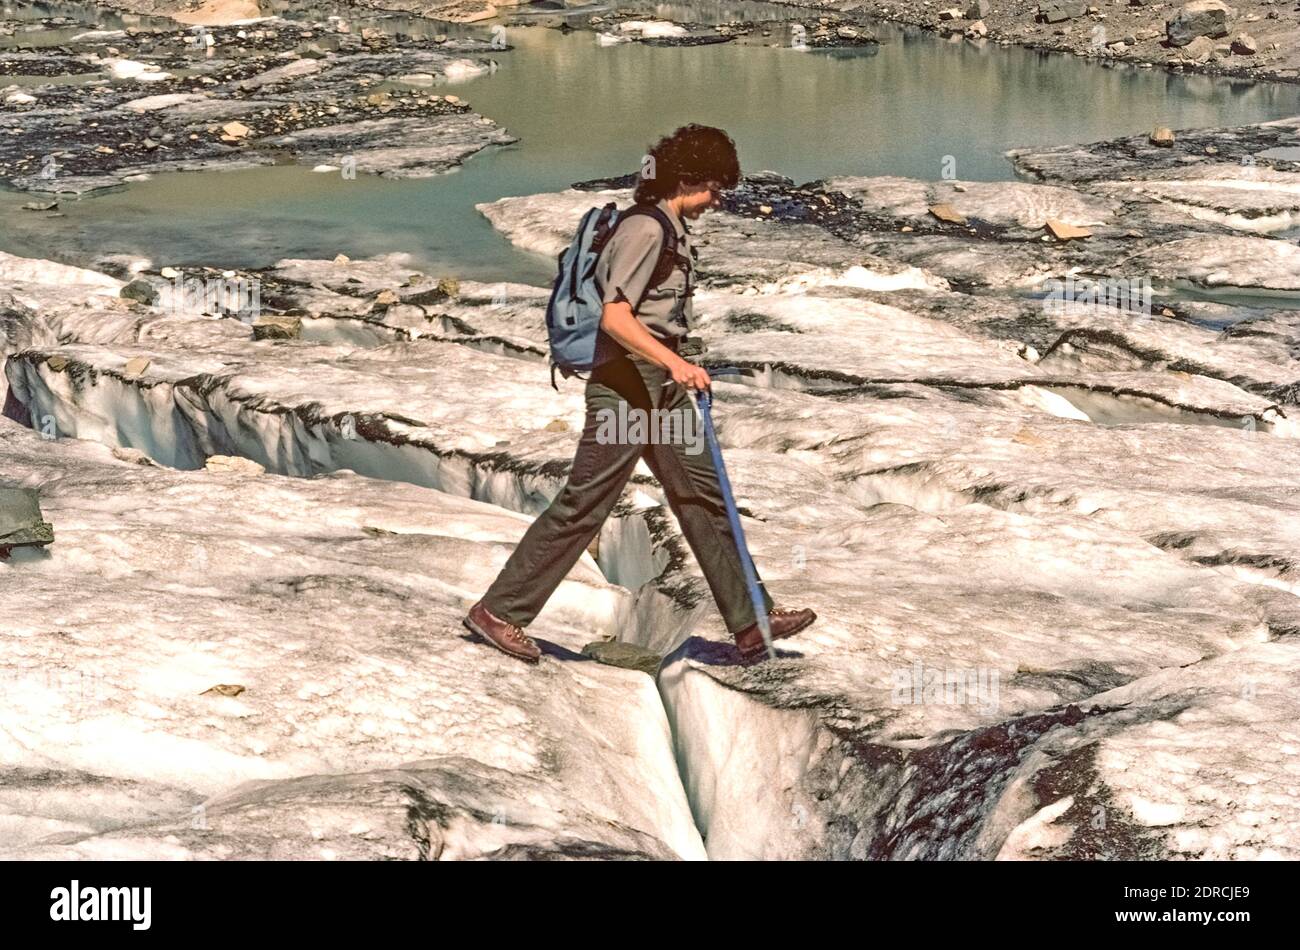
point(136, 366)
point(1243, 44)
point(277, 327)
point(233, 465)
point(947, 213)
point(140, 290)
point(1199, 50)
point(1059, 12)
point(133, 456)
point(1198, 18)
point(1064, 231)
point(234, 132)
point(1162, 137)
point(978, 10)
point(626, 655)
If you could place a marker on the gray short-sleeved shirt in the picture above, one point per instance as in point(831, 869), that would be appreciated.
point(626, 264)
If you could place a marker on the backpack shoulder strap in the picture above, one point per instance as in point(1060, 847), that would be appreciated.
point(668, 256)
point(603, 230)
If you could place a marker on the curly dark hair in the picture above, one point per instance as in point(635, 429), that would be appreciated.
point(692, 155)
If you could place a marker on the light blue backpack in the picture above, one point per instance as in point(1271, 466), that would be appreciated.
point(573, 313)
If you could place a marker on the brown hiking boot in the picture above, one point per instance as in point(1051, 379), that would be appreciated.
point(784, 621)
point(504, 636)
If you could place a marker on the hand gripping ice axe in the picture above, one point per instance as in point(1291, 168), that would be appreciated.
point(702, 402)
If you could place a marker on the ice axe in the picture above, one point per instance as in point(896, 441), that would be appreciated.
point(702, 402)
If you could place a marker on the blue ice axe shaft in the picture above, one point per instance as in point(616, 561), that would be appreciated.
point(702, 403)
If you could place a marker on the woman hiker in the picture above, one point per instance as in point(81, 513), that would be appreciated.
point(689, 171)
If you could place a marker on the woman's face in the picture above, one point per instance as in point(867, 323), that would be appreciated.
point(696, 199)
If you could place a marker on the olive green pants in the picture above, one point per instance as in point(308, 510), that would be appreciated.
point(673, 445)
